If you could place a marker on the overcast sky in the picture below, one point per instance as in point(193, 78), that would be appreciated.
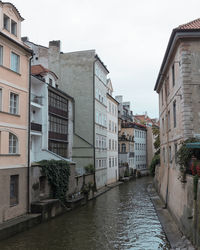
point(130, 37)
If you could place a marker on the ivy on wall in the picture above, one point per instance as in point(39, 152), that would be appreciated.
point(57, 173)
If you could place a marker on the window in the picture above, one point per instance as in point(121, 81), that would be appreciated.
point(174, 113)
point(123, 147)
point(110, 162)
point(170, 154)
point(59, 148)
point(109, 144)
point(164, 155)
point(173, 74)
point(14, 103)
point(6, 22)
point(168, 120)
point(14, 190)
point(0, 99)
point(113, 144)
point(50, 81)
point(13, 144)
point(113, 162)
point(14, 62)
point(1, 55)
point(163, 126)
point(109, 125)
point(13, 27)
point(175, 152)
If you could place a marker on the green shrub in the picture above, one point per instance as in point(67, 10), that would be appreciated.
point(89, 169)
point(155, 161)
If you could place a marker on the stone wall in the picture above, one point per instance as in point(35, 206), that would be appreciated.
point(180, 201)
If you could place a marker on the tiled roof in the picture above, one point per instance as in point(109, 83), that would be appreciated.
point(38, 70)
point(195, 24)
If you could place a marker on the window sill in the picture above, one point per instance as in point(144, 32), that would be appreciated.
point(9, 154)
point(10, 70)
point(9, 113)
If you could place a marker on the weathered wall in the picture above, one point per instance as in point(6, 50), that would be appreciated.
point(6, 210)
point(180, 200)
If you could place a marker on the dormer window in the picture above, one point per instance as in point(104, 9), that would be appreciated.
point(50, 82)
point(6, 22)
point(13, 27)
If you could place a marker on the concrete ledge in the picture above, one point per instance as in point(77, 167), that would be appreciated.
point(19, 224)
point(176, 239)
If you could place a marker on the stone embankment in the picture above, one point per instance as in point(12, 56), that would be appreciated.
point(176, 239)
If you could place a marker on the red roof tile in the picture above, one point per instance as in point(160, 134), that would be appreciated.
point(38, 70)
point(195, 24)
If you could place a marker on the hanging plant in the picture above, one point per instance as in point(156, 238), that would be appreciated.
point(57, 173)
point(184, 156)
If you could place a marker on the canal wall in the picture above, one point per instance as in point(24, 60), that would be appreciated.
point(178, 197)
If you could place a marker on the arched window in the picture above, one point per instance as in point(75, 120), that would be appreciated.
point(123, 147)
point(13, 144)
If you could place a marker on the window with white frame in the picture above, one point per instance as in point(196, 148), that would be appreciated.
point(13, 144)
point(1, 55)
point(14, 62)
point(14, 103)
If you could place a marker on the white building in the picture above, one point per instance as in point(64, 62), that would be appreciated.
point(51, 118)
point(140, 140)
point(112, 136)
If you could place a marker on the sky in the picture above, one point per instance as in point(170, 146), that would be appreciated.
point(129, 36)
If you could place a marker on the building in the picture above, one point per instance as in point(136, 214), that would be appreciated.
point(140, 139)
point(178, 86)
point(51, 117)
point(112, 136)
point(149, 123)
point(84, 76)
point(14, 115)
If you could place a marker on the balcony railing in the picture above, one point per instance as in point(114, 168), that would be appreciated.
point(58, 136)
point(36, 127)
point(36, 99)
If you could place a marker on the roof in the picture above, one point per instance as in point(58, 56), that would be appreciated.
point(14, 8)
point(40, 70)
point(188, 30)
point(195, 24)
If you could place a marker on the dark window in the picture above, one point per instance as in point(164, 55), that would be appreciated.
point(58, 101)
point(123, 148)
point(50, 81)
point(173, 74)
point(168, 120)
point(1, 55)
point(14, 103)
point(6, 22)
point(14, 190)
point(59, 148)
point(174, 113)
point(13, 27)
point(58, 125)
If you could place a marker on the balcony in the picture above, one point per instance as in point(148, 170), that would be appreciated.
point(36, 99)
point(36, 127)
point(57, 136)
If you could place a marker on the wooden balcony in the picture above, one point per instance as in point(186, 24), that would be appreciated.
point(36, 127)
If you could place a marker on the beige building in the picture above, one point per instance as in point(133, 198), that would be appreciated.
point(14, 114)
point(178, 86)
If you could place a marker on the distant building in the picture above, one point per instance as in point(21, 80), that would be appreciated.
point(14, 115)
point(112, 136)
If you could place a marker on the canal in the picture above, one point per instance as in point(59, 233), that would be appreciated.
point(123, 218)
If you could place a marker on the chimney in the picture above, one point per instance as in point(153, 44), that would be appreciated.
point(55, 45)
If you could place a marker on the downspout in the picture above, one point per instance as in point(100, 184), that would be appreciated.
point(94, 154)
point(29, 130)
point(166, 198)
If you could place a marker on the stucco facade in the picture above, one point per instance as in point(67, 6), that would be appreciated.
point(112, 136)
point(14, 115)
point(178, 87)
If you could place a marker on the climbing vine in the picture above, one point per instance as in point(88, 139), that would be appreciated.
point(57, 173)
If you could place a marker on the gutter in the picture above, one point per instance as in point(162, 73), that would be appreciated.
point(94, 153)
point(29, 134)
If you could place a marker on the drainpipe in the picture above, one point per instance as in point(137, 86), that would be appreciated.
point(29, 130)
point(94, 154)
point(168, 165)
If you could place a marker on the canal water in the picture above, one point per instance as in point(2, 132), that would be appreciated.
point(123, 218)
